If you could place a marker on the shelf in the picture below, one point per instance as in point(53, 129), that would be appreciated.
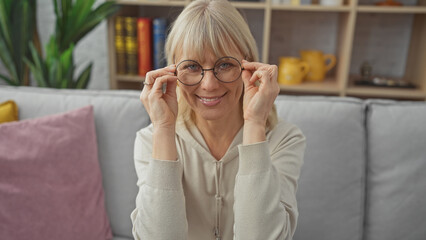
point(329, 86)
point(311, 8)
point(130, 78)
point(249, 5)
point(386, 92)
point(392, 38)
point(380, 9)
point(152, 2)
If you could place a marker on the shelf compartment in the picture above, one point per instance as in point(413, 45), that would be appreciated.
point(374, 43)
point(328, 32)
point(328, 86)
point(402, 10)
point(152, 3)
point(311, 8)
point(249, 5)
point(385, 92)
point(292, 32)
point(130, 78)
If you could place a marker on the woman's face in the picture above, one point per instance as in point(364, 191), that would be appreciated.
point(212, 99)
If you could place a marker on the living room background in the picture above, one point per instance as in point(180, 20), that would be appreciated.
point(291, 31)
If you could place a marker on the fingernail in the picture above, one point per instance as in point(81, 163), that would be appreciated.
point(171, 66)
point(244, 60)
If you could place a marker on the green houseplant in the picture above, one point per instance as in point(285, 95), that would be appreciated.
point(74, 19)
point(17, 29)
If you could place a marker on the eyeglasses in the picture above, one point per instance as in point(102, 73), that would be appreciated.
point(226, 69)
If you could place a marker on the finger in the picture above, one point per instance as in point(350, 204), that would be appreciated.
point(272, 70)
point(259, 75)
point(273, 73)
point(171, 88)
point(144, 99)
point(246, 75)
point(151, 76)
point(158, 84)
point(252, 66)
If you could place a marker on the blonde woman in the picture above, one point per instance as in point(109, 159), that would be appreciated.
point(215, 163)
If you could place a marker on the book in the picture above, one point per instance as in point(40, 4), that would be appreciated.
point(159, 28)
point(144, 32)
point(119, 42)
point(131, 45)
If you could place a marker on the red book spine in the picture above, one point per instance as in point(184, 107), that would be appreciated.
point(144, 45)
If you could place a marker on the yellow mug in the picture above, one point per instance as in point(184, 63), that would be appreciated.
point(291, 70)
point(319, 63)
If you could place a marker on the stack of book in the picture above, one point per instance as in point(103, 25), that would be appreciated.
point(139, 44)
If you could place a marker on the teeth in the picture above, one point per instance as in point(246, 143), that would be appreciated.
point(209, 99)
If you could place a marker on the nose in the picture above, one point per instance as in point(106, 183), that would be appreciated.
point(209, 81)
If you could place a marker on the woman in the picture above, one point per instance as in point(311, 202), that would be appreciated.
point(215, 163)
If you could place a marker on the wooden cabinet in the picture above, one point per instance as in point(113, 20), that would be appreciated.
point(391, 39)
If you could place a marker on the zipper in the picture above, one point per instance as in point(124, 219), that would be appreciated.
point(217, 234)
point(218, 200)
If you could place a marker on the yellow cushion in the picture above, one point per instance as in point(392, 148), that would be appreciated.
point(8, 111)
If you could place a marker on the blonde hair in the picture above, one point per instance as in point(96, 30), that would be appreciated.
point(213, 25)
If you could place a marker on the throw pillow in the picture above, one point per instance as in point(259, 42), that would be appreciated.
point(8, 111)
point(50, 179)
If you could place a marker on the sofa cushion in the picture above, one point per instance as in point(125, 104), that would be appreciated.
point(396, 192)
point(50, 180)
point(331, 185)
point(118, 115)
point(8, 112)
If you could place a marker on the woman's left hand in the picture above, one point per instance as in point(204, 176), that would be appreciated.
point(259, 98)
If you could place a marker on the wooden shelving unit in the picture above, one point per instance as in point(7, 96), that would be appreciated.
point(339, 81)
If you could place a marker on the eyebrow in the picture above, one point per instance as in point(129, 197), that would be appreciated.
point(198, 61)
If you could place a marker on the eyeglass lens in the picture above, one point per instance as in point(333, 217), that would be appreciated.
point(226, 69)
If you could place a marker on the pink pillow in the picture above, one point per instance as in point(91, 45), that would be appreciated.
point(50, 180)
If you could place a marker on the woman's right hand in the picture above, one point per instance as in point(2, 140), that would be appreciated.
point(162, 107)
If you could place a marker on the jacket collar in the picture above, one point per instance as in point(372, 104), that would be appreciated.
point(192, 135)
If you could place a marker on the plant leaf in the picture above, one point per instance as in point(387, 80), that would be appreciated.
point(5, 9)
point(54, 74)
point(38, 67)
point(81, 11)
point(84, 78)
point(8, 80)
point(67, 68)
point(68, 78)
point(52, 51)
point(66, 58)
point(22, 32)
point(93, 19)
point(7, 60)
point(37, 74)
point(16, 31)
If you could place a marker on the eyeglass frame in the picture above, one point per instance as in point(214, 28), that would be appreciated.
point(208, 69)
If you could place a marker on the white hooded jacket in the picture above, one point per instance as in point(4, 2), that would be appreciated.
point(248, 194)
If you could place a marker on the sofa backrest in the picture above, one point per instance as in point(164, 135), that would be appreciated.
point(118, 115)
point(396, 176)
point(332, 182)
point(363, 176)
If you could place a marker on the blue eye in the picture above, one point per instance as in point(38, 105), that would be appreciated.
point(192, 67)
point(223, 66)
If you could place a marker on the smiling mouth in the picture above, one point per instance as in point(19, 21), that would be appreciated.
point(211, 101)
